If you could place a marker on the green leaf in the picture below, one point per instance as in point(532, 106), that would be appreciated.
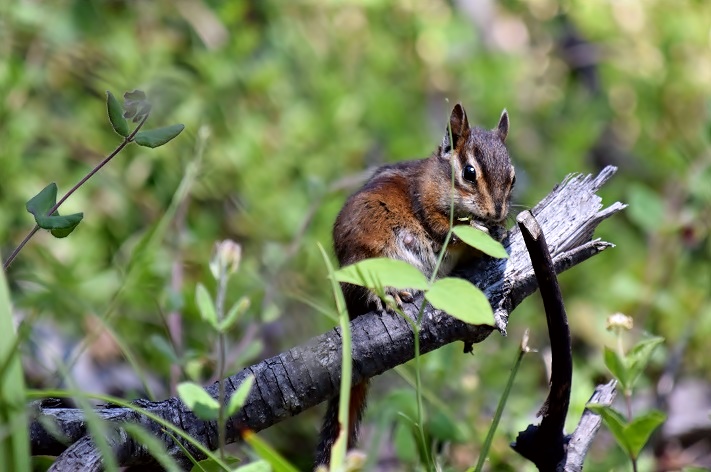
point(115, 110)
point(240, 396)
point(42, 463)
point(444, 428)
point(630, 436)
point(641, 428)
point(638, 357)
point(233, 315)
point(205, 305)
point(405, 443)
point(56, 222)
point(614, 421)
point(256, 466)
point(42, 203)
point(61, 226)
point(618, 368)
point(135, 105)
point(164, 348)
point(154, 138)
point(478, 239)
point(266, 452)
point(270, 313)
point(461, 300)
point(402, 401)
point(383, 272)
point(198, 400)
point(211, 465)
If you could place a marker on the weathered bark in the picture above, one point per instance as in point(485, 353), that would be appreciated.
point(306, 375)
point(588, 426)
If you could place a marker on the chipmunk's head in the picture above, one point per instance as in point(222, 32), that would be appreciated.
point(481, 167)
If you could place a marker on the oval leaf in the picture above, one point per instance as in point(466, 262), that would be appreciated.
point(383, 272)
point(62, 226)
point(233, 315)
point(462, 300)
point(618, 367)
point(240, 396)
point(205, 305)
point(154, 138)
point(641, 428)
point(478, 239)
point(198, 400)
point(56, 222)
point(41, 203)
point(638, 357)
point(614, 421)
point(116, 118)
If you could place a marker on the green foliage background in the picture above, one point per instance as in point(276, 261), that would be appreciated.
point(286, 103)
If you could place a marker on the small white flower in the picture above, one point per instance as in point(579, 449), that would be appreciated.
point(618, 322)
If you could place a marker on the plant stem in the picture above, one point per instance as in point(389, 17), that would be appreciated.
point(484, 453)
point(101, 164)
point(220, 306)
point(19, 248)
point(628, 394)
point(415, 325)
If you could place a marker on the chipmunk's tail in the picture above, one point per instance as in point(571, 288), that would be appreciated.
point(331, 427)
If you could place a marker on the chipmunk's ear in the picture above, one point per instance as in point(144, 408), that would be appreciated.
point(503, 127)
point(458, 126)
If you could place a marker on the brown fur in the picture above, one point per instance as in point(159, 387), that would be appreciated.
point(403, 212)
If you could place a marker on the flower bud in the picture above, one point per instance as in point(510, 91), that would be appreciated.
point(226, 257)
point(618, 322)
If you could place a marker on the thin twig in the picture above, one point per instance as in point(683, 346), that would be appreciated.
point(127, 140)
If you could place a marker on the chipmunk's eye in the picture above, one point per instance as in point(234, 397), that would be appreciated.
point(469, 173)
point(513, 181)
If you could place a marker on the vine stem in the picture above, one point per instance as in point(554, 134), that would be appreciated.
point(221, 358)
point(126, 140)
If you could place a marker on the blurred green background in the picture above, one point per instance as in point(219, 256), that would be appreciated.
point(286, 104)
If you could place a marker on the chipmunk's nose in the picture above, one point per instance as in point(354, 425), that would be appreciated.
point(499, 213)
point(498, 207)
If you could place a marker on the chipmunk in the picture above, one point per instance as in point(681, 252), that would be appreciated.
point(403, 212)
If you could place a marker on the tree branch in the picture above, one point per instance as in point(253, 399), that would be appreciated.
point(588, 426)
point(306, 375)
point(545, 444)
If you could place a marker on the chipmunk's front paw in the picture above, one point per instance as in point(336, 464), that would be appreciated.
point(399, 298)
point(406, 296)
point(394, 300)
